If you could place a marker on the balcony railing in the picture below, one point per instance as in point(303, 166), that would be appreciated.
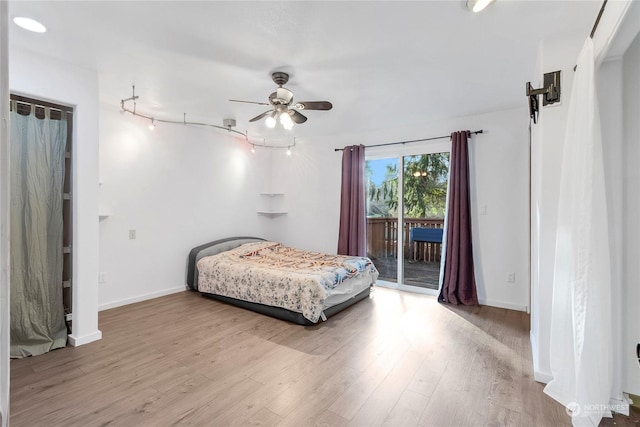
point(382, 239)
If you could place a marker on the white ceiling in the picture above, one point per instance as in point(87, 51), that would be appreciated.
point(381, 63)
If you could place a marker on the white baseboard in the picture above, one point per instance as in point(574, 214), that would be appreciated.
point(501, 304)
point(140, 298)
point(85, 339)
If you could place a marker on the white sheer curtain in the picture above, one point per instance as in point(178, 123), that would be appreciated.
point(37, 177)
point(581, 348)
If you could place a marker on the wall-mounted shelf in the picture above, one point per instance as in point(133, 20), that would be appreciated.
point(274, 206)
point(104, 215)
point(271, 214)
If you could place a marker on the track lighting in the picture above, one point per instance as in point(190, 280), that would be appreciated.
point(227, 124)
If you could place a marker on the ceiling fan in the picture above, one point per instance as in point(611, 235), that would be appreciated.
point(284, 109)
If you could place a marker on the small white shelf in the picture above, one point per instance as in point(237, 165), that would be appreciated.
point(271, 214)
point(104, 215)
point(274, 206)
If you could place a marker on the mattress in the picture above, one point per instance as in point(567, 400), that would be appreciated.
point(271, 274)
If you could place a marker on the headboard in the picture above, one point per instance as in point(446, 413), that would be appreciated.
point(211, 248)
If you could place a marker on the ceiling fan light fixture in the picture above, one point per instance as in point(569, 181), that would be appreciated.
point(271, 120)
point(285, 120)
point(478, 5)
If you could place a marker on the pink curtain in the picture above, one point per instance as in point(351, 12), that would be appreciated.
point(352, 238)
point(459, 283)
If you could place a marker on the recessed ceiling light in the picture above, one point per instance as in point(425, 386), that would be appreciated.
point(29, 24)
point(478, 5)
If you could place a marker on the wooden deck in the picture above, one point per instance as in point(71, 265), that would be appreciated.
point(416, 273)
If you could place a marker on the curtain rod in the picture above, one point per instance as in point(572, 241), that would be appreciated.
point(40, 104)
point(595, 24)
point(475, 132)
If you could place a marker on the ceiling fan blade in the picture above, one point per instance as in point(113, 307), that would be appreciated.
point(248, 102)
point(297, 117)
point(314, 105)
point(265, 114)
point(285, 95)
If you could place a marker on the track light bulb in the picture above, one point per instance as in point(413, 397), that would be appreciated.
point(152, 126)
point(253, 149)
point(288, 151)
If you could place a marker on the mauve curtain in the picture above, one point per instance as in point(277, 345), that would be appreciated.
point(352, 237)
point(459, 283)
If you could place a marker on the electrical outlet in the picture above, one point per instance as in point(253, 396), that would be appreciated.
point(483, 209)
point(132, 234)
point(511, 277)
point(102, 277)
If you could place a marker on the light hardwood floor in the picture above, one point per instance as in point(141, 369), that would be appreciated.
point(396, 359)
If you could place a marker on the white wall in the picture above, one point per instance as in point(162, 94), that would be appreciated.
point(631, 219)
point(310, 179)
point(547, 145)
point(4, 216)
point(177, 187)
point(49, 79)
point(610, 95)
point(618, 103)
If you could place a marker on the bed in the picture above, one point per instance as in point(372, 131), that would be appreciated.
point(303, 287)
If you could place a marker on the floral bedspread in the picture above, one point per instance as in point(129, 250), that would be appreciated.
point(272, 274)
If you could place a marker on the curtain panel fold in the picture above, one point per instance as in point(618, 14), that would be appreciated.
point(458, 282)
point(352, 237)
point(580, 350)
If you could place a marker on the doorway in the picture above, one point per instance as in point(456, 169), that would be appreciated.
point(41, 225)
point(405, 218)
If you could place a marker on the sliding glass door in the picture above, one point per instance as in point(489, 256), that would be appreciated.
point(405, 217)
point(382, 216)
point(424, 201)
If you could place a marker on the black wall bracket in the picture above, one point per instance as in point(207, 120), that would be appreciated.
point(550, 93)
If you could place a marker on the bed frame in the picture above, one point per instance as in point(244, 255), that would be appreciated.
point(229, 243)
